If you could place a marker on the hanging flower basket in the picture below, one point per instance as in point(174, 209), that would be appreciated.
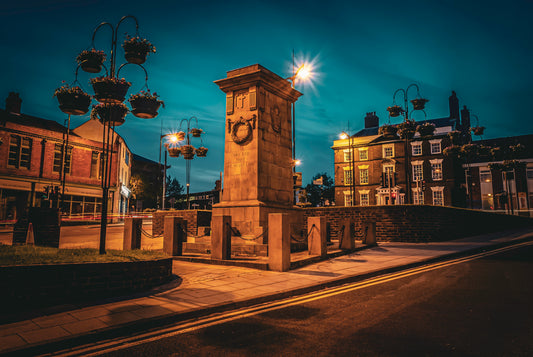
point(188, 152)
point(419, 103)
point(426, 129)
point(395, 111)
point(136, 49)
point(478, 130)
point(201, 152)
point(72, 100)
point(407, 129)
point(173, 151)
point(110, 113)
point(195, 132)
point(109, 89)
point(388, 131)
point(145, 104)
point(91, 60)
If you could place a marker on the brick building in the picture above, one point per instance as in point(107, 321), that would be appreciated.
point(31, 150)
point(376, 173)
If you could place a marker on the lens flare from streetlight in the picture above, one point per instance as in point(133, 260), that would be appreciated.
point(305, 70)
point(297, 162)
point(343, 136)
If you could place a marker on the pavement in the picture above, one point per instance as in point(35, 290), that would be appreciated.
point(202, 289)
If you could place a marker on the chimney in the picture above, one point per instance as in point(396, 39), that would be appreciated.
point(13, 103)
point(465, 118)
point(371, 120)
point(454, 107)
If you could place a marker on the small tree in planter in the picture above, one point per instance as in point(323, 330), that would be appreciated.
point(91, 60)
point(145, 104)
point(110, 89)
point(406, 129)
point(112, 113)
point(136, 49)
point(72, 100)
point(388, 131)
point(426, 129)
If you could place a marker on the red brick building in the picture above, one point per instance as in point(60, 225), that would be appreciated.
point(31, 161)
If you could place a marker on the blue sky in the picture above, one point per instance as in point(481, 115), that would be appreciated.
point(364, 51)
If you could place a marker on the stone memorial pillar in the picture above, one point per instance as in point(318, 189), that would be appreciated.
point(258, 177)
point(279, 242)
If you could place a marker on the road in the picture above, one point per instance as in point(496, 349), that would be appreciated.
point(477, 308)
point(89, 237)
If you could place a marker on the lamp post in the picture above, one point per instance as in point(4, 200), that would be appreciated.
point(396, 110)
point(180, 143)
point(345, 135)
point(110, 92)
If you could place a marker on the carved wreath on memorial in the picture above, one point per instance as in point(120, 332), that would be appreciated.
point(241, 129)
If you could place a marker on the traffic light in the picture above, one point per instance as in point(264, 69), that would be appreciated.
point(423, 185)
point(46, 190)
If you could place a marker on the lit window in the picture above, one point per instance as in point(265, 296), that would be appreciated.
point(418, 171)
point(347, 176)
point(418, 196)
point(388, 151)
point(416, 148)
point(363, 154)
point(363, 176)
point(438, 196)
point(364, 198)
point(435, 146)
point(436, 171)
point(485, 176)
point(347, 156)
point(347, 198)
point(19, 152)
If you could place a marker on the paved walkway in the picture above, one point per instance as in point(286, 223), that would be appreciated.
point(206, 288)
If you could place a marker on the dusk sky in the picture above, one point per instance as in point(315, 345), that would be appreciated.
point(362, 52)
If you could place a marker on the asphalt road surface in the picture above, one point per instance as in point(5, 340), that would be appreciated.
point(482, 307)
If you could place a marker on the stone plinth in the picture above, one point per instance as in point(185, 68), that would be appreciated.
point(258, 148)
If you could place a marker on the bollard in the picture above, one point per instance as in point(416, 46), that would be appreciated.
point(369, 233)
point(348, 235)
point(279, 242)
point(132, 233)
point(174, 234)
point(221, 237)
point(316, 231)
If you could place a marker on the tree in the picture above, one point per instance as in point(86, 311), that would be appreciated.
point(174, 190)
point(317, 195)
point(145, 189)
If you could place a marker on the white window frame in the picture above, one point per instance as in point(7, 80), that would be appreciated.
point(435, 192)
point(417, 144)
point(348, 179)
point(347, 155)
point(416, 164)
point(348, 198)
point(363, 150)
point(364, 193)
point(385, 147)
point(436, 176)
point(435, 142)
point(418, 196)
point(364, 168)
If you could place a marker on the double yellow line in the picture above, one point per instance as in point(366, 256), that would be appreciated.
point(215, 319)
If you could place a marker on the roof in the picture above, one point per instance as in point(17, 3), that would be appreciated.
point(143, 159)
point(34, 122)
point(439, 123)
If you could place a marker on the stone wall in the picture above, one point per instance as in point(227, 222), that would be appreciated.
point(417, 223)
point(32, 286)
point(194, 218)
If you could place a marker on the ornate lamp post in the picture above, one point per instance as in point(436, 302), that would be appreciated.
point(345, 135)
point(180, 143)
point(396, 110)
point(110, 92)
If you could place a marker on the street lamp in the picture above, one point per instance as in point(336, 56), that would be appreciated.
point(180, 143)
point(344, 136)
point(396, 110)
point(110, 91)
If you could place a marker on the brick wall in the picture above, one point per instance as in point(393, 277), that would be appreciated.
point(47, 285)
point(194, 218)
point(409, 223)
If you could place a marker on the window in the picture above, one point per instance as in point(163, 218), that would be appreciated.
point(364, 198)
point(418, 171)
point(436, 171)
point(388, 176)
point(388, 151)
point(529, 173)
point(127, 157)
point(416, 148)
point(485, 176)
point(418, 196)
point(347, 198)
point(363, 175)
point(363, 154)
point(19, 152)
point(348, 176)
point(347, 156)
point(435, 146)
point(95, 164)
point(438, 196)
point(58, 154)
